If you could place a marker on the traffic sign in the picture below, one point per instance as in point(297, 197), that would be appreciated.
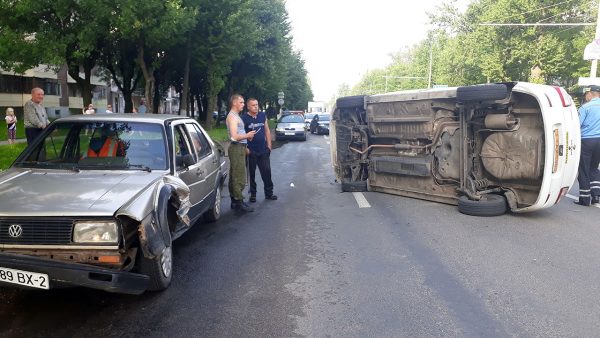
point(280, 101)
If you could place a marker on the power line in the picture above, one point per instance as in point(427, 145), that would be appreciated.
point(538, 24)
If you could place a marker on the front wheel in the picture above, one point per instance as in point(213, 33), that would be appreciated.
point(488, 205)
point(159, 269)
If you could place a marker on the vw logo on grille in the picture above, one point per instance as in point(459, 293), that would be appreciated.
point(15, 231)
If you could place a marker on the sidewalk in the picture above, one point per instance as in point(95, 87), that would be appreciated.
point(19, 140)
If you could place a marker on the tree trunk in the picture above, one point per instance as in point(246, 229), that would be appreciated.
point(84, 84)
point(186, 77)
point(149, 77)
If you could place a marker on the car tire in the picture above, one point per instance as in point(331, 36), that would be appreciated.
point(159, 269)
point(359, 186)
point(357, 101)
point(488, 205)
point(214, 213)
point(484, 92)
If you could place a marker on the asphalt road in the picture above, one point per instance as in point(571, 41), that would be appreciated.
point(315, 264)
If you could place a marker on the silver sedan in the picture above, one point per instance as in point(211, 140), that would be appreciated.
point(97, 200)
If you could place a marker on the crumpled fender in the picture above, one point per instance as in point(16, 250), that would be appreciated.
point(150, 207)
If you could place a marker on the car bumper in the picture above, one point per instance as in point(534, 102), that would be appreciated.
point(290, 135)
point(64, 274)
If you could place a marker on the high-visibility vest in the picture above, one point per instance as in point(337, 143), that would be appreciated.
point(109, 149)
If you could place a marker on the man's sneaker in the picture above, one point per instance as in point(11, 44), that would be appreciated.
point(271, 197)
point(252, 198)
point(595, 199)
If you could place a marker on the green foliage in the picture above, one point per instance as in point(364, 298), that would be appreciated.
point(466, 52)
point(9, 152)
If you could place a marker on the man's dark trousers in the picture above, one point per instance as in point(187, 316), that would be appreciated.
point(588, 175)
point(264, 166)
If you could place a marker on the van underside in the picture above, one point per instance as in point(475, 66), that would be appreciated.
point(442, 144)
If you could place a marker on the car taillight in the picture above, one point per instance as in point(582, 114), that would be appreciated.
point(566, 100)
point(563, 192)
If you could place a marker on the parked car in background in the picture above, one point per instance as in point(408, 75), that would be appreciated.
point(322, 126)
point(290, 127)
point(307, 118)
point(482, 147)
point(97, 200)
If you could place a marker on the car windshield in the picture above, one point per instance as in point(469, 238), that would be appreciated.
point(309, 117)
point(292, 119)
point(99, 146)
point(324, 117)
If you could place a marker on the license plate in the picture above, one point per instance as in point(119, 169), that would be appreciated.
point(290, 133)
point(25, 278)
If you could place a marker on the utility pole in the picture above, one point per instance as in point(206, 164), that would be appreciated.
point(596, 37)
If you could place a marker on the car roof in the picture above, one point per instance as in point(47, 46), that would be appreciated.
point(154, 118)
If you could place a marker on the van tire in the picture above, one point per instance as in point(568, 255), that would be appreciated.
point(359, 186)
point(357, 101)
point(484, 92)
point(488, 205)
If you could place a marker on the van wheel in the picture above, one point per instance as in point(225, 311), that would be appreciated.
point(484, 92)
point(351, 102)
point(488, 205)
point(359, 186)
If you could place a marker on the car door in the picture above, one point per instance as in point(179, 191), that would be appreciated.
point(206, 160)
point(190, 173)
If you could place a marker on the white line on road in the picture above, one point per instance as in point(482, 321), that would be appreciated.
point(577, 199)
point(361, 200)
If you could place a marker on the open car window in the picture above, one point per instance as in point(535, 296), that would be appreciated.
point(99, 146)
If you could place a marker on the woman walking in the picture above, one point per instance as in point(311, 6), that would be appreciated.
point(11, 124)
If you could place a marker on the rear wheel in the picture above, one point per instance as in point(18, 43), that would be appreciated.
point(484, 92)
point(351, 102)
point(488, 205)
point(214, 213)
point(359, 186)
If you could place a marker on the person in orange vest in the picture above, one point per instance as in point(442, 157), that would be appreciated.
point(106, 146)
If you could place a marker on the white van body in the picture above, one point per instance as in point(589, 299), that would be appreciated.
point(484, 147)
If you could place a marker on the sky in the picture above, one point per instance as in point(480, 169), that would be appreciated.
point(341, 39)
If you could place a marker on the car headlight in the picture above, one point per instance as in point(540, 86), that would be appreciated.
point(95, 232)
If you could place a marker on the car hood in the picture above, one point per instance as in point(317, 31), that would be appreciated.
point(65, 193)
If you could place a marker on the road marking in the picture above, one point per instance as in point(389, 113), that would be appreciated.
point(577, 199)
point(361, 200)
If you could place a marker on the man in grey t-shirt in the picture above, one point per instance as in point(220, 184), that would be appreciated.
point(35, 118)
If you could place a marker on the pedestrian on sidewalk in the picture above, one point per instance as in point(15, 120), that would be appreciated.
point(259, 149)
point(34, 115)
point(237, 153)
point(90, 110)
point(588, 174)
point(11, 125)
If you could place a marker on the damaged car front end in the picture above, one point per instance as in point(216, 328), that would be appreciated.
point(68, 218)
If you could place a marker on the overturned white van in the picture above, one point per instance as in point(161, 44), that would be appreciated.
point(483, 147)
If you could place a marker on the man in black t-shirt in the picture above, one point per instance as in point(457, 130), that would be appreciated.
point(259, 148)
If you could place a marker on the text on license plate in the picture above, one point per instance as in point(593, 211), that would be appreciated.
point(25, 278)
point(288, 133)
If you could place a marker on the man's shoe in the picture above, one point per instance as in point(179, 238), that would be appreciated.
point(271, 197)
point(245, 207)
point(252, 198)
point(595, 199)
point(581, 203)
